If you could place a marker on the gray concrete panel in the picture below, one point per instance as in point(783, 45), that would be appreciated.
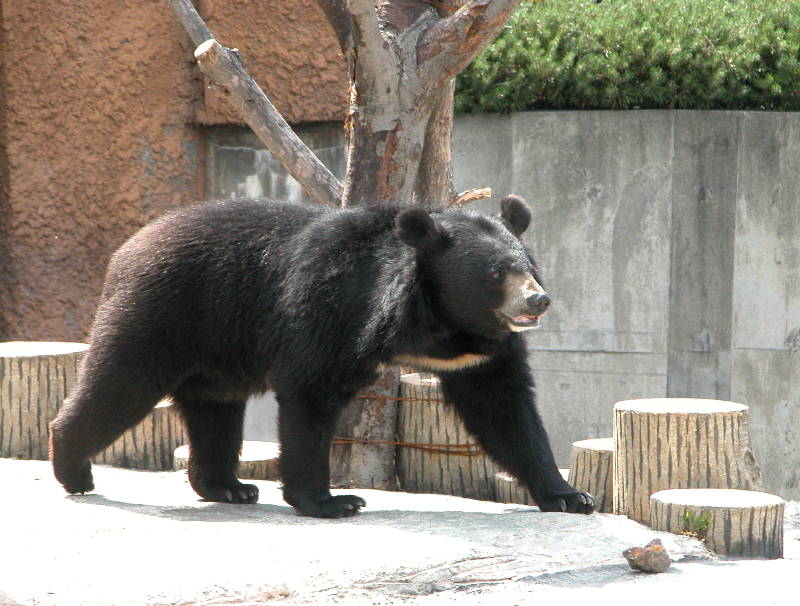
point(482, 154)
point(576, 391)
point(699, 374)
point(766, 298)
point(704, 187)
point(600, 185)
point(767, 380)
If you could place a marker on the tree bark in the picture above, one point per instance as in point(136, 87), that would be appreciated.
point(591, 470)
point(149, 445)
point(436, 454)
point(678, 443)
point(35, 379)
point(738, 523)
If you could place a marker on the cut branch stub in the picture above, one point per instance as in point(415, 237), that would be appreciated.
point(470, 195)
point(224, 67)
point(739, 523)
point(668, 443)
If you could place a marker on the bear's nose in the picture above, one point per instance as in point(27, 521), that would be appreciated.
point(538, 303)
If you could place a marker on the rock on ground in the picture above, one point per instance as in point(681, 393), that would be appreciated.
point(144, 538)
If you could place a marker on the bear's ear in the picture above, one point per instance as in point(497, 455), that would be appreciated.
point(516, 214)
point(417, 228)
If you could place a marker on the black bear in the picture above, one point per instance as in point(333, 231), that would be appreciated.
point(216, 302)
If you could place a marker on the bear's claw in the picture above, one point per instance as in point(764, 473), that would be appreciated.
point(575, 502)
point(233, 493)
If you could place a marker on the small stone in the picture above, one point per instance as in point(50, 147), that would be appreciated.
point(650, 558)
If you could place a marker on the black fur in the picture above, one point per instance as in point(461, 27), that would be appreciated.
point(216, 302)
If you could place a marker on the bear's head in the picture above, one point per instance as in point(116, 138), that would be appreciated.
point(476, 269)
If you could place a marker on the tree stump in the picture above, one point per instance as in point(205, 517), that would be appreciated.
point(509, 490)
point(149, 445)
point(668, 443)
point(437, 455)
point(257, 461)
point(35, 379)
point(591, 469)
point(363, 452)
point(738, 523)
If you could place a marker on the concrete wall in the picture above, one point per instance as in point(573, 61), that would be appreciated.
point(671, 246)
point(670, 242)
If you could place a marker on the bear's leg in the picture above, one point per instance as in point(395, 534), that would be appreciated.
point(107, 400)
point(305, 435)
point(215, 442)
point(495, 401)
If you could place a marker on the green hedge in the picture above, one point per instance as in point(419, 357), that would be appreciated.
point(626, 54)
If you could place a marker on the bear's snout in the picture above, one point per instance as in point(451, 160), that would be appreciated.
point(538, 304)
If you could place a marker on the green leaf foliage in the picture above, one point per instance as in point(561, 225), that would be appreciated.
point(627, 54)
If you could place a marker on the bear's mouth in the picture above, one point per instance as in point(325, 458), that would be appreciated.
point(521, 322)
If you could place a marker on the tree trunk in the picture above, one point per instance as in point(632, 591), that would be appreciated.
point(35, 379)
point(257, 461)
point(150, 445)
point(739, 523)
point(678, 443)
point(436, 454)
point(434, 187)
point(591, 470)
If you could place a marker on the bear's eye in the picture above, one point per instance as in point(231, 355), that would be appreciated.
point(497, 274)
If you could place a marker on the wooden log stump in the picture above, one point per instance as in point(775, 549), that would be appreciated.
point(509, 490)
point(736, 523)
point(438, 455)
point(592, 470)
point(151, 444)
point(35, 379)
point(363, 450)
point(257, 461)
point(668, 443)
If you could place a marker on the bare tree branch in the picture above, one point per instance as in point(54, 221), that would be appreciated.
point(449, 45)
point(224, 67)
point(191, 21)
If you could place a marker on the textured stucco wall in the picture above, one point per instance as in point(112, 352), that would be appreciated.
point(99, 106)
point(291, 51)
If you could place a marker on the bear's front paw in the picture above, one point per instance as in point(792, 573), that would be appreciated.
point(230, 493)
point(77, 479)
point(340, 506)
point(572, 502)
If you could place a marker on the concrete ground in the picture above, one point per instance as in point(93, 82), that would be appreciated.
point(144, 538)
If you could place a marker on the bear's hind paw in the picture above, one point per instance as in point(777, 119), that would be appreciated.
point(233, 493)
point(340, 506)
